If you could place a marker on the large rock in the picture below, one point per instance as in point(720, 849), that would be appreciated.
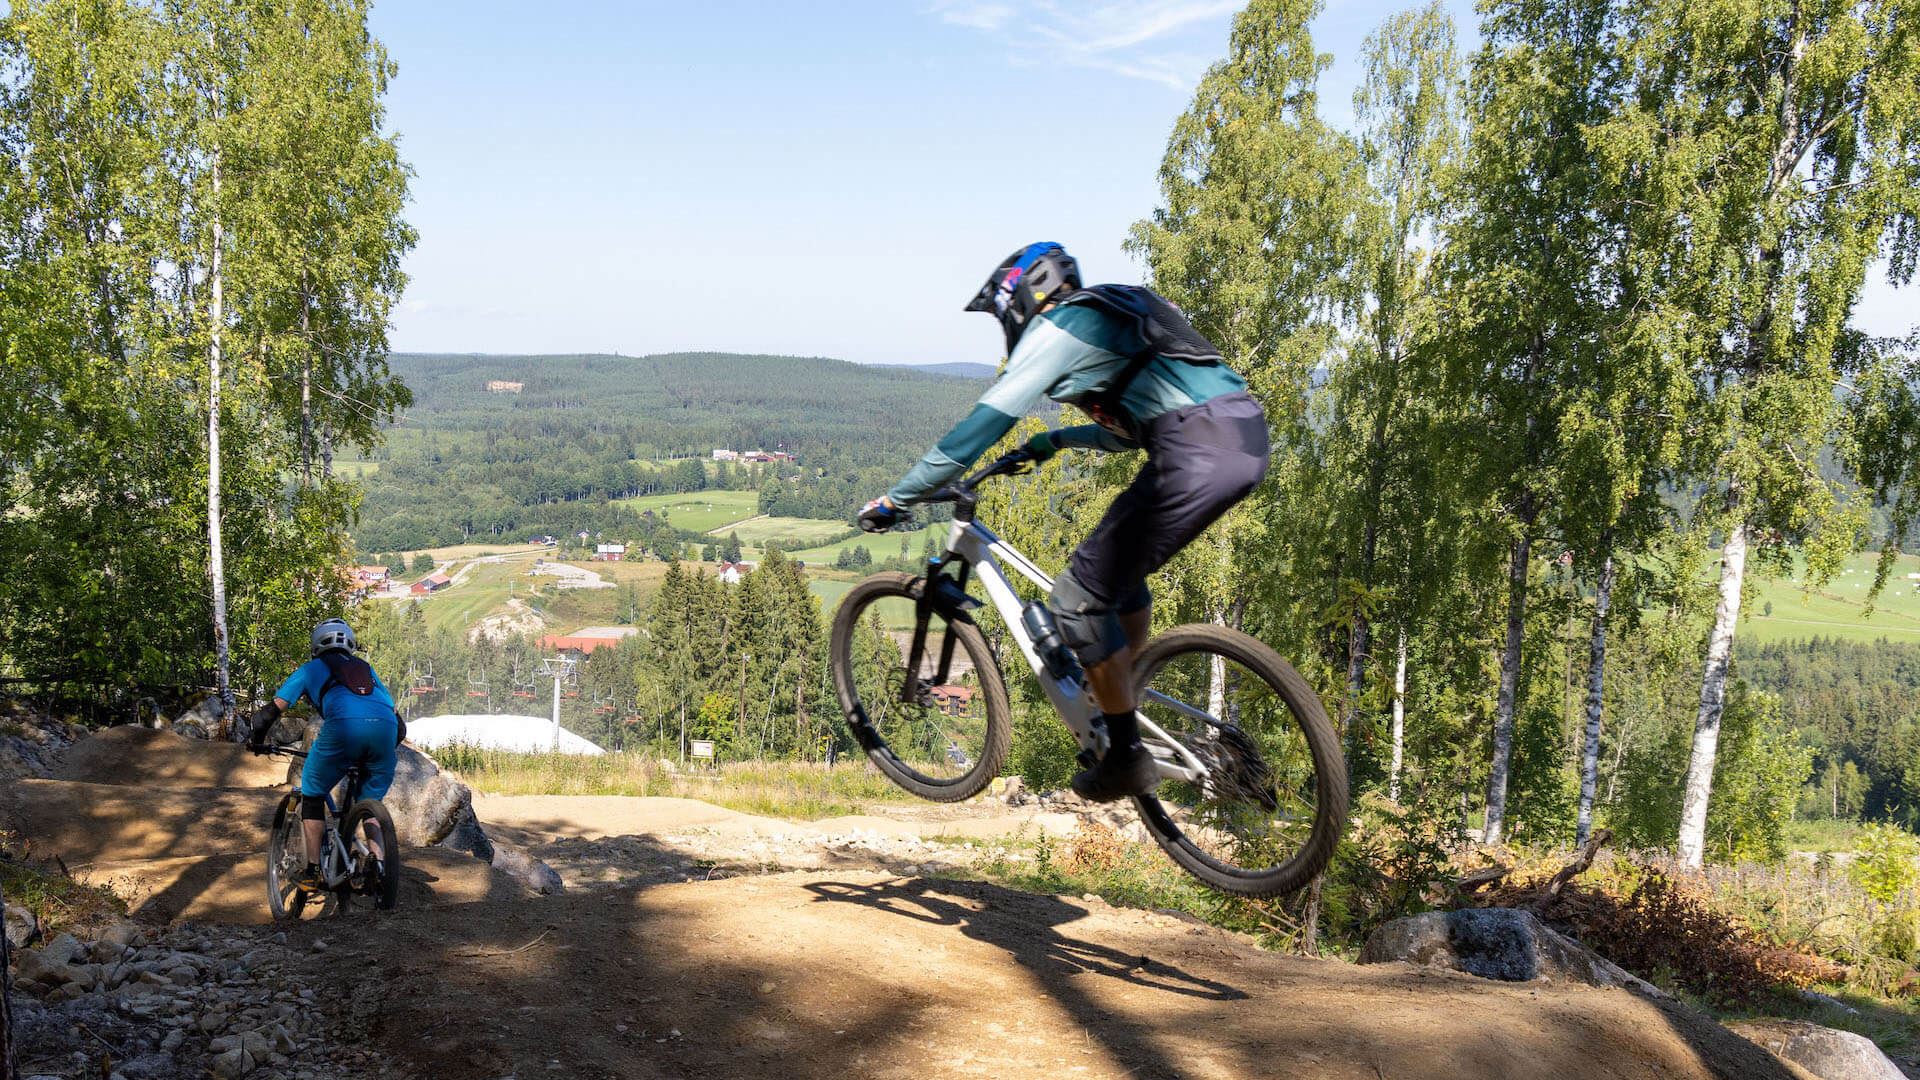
point(1822, 1051)
point(434, 807)
point(1495, 943)
point(29, 741)
point(22, 925)
point(426, 804)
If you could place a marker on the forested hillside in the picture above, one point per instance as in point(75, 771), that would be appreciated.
point(580, 431)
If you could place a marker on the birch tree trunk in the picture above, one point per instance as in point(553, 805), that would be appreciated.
point(306, 394)
point(1399, 717)
point(1217, 677)
point(1509, 689)
point(1596, 686)
point(1713, 699)
point(216, 555)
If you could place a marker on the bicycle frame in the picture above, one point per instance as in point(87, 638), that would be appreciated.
point(334, 864)
point(979, 551)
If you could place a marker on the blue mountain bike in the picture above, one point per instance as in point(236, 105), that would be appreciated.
point(360, 853)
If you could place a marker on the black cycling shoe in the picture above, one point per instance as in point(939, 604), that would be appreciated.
point(1125, 770)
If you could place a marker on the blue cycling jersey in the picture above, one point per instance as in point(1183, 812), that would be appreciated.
point(1072, 354)
point(311, 677)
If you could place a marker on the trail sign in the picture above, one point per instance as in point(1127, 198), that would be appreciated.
point(701, 748)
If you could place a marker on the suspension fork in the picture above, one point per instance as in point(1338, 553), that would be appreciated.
point(947, 597)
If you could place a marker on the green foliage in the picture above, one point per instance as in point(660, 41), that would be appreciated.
point(265, 124)
point(1757, 776)
point(1886, 862)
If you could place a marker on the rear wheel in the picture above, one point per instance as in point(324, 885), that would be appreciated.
point(941, 738)
point(1273, 803)
point(286, 857)
point(368, 827)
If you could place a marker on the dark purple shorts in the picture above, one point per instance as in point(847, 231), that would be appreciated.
point(1201, 460)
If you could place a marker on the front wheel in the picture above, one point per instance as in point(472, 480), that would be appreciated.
point(1271, 799)
point(940, 730)
point(286, 857)
point(374, 852)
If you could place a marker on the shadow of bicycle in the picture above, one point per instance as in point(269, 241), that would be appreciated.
point(1026, 926)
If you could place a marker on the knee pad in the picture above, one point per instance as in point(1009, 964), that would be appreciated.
point(1091, 629)
point(313, 807)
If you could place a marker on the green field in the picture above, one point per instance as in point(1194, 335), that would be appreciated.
point(881, 547)
point(1837, 608)
point(756, 531)
point(698, 511)
point(486, 588)
point(355, 470)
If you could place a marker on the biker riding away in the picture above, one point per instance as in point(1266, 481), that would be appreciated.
point(358, 724)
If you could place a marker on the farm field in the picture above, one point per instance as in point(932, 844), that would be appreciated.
point(354, 470)
point(879, 546)
point(475, 551)
point(698, 511)
point(1780, 609)
point(758, 530)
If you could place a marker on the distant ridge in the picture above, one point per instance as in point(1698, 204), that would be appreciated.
point(961, 370)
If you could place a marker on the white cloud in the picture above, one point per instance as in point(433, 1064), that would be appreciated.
point(1138, 39)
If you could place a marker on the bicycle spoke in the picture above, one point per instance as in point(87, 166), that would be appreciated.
point(1254, 805)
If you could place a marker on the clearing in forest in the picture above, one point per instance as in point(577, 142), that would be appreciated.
point(698, 511)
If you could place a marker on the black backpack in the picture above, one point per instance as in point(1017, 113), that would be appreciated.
point(1162, 330)
point(348, 670)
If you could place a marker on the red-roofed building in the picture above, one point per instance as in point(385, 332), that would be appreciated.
point(586, 639)
point(954, 700)
point(431, 584)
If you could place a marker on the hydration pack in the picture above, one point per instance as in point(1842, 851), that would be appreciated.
point(348, 670)
point(345, 669)
point(1161, 330)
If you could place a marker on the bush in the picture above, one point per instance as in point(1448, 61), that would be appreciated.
point(1668, 928)
point(1886, 862)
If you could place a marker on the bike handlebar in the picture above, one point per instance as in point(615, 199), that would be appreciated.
point(1011, 463)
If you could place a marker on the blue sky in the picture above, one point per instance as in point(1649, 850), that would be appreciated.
point(828, 178)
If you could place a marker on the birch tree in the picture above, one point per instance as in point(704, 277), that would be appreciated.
point(1521, 293)
point(1377, 440)
point(1783, 143)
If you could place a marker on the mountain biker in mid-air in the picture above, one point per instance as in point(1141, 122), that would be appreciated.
point(1133, 363)
point(358, 724)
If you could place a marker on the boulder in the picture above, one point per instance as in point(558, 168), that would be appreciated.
point(22, 927)
point(1822, 1051)
point(30, 741)
point(426, 804)
point(202, 721)
point(430, 807)
point(1495, 943)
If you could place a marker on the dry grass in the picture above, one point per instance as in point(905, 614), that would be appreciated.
point(799, 790)
point(55, 898)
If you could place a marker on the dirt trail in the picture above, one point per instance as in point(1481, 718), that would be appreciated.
point(844, 971)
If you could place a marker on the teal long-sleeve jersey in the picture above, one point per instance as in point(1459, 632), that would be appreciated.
point(1075, 354)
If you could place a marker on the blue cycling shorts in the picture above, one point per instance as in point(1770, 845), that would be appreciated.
point(344, 741)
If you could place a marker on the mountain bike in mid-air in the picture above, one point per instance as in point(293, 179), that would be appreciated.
point(1253, 786)
point(360, 854)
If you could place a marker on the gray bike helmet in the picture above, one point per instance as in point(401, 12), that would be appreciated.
point(333, 634)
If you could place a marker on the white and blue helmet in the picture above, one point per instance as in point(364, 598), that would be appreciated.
point(333, 634)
